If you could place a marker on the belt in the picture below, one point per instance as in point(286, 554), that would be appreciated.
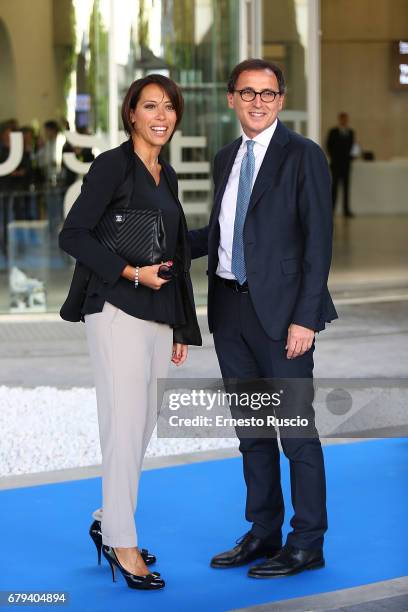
point(234, 285)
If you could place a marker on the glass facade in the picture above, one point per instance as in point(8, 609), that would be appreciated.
point(66, 77)
point(284, 42)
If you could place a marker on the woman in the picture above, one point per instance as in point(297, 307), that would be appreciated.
point(136, 322)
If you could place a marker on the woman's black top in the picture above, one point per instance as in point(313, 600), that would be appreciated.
point(165, 305)
point(119, 178)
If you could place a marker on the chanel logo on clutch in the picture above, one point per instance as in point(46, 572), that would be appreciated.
point(119, 218)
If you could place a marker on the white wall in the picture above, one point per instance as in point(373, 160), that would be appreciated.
point(356, 48)
point(29, 24)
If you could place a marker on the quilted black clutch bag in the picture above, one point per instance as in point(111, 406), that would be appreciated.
point(137, 235)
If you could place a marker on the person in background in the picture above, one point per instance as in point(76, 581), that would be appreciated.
point(29, 175)
point(49, 161)
point(28, 156)
point(340, 141)
point(47, 152)
point(23, 178)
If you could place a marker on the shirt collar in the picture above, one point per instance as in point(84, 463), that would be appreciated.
point(263, 138)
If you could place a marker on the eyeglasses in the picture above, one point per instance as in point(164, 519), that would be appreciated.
point(248, 94)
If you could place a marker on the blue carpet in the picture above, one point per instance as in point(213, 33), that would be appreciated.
point(188, 513)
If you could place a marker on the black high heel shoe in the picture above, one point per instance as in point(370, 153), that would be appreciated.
point(96, 535)
point(150, 582)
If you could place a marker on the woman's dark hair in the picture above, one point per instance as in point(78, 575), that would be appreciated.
point(133, 94)
point(256, 64)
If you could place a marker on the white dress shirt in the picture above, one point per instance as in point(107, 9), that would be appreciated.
point(226, 218)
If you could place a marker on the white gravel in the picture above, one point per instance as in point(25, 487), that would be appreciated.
point(45, 429)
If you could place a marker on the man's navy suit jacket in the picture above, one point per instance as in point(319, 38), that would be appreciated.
point(287, 234)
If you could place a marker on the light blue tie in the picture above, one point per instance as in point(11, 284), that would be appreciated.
point(244, 195)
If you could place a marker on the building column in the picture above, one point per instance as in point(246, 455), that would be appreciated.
point(313, 70)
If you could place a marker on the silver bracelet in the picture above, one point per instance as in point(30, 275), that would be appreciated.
point(136, 277)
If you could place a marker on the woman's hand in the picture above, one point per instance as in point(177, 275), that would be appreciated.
point(147, 276)
point(179, 353)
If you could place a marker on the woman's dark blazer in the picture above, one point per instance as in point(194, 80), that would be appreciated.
point(109, 182)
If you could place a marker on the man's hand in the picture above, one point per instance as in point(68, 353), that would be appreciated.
point(179, 354)
point(300, 340)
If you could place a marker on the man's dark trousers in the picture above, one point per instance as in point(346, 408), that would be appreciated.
point(341, 174)
point(245, 351)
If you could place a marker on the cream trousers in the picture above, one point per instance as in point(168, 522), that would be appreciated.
point(128, 355)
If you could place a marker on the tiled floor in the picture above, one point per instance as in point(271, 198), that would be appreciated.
point(384, 596)
point(369, 251)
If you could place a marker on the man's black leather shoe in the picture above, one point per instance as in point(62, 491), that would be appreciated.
point(248, 548)
point(287, 562)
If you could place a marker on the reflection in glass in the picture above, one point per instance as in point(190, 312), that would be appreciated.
point(285, 43)
point(194, 42)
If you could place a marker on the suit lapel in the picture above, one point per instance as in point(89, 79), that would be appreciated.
point(227, 162)
point(275, 155)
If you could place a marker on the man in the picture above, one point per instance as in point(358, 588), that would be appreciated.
point(339, 146)
point(269, 250)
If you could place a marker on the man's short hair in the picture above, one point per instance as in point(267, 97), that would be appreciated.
point(256, 64)
point(51, 125)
